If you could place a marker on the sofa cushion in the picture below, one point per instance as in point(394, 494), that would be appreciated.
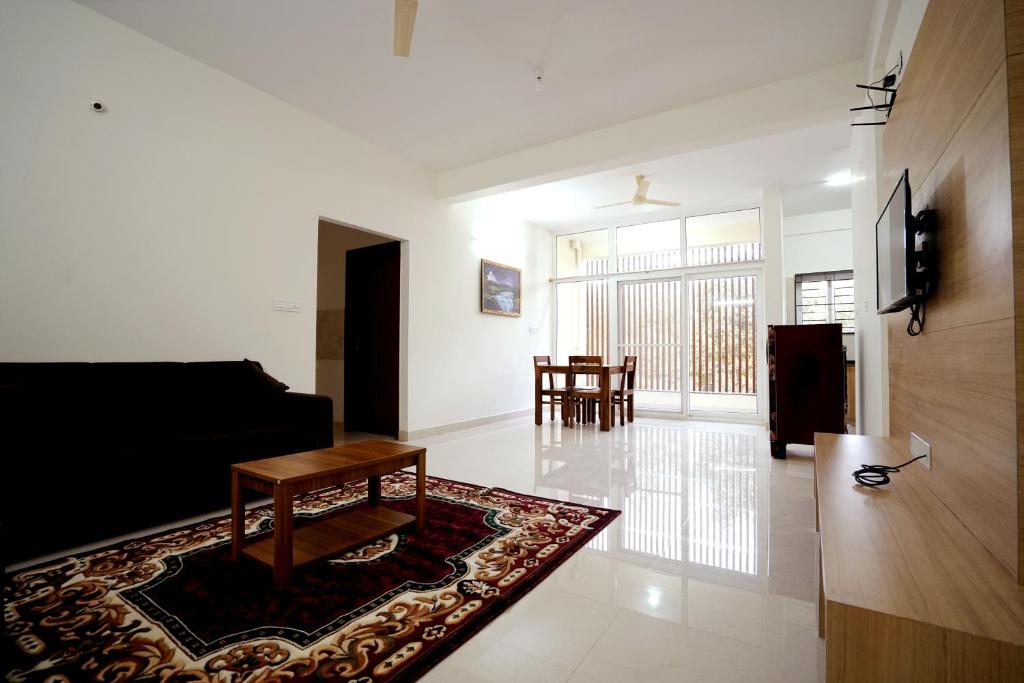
point(264, 380)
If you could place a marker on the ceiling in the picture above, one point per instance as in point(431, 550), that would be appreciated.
point(468, 91)
point(726, 177)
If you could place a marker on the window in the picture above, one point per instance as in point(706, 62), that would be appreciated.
point(730, 237)
point(582, 322)
point(582, 253)
point(648, 246)
point(826, 298)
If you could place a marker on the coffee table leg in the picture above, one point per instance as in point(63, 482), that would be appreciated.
point(237, 516)
point(421, 489)
point(282, 534)
point(373, 490)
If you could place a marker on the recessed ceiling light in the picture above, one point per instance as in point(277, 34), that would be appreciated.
point(839, 179)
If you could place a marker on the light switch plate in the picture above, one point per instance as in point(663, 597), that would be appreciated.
point(287, 305)
point(918, 447)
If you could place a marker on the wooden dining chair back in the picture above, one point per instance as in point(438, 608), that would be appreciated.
point(623, 396)
point(591, 379)
point(555, 395)
point(584, 398)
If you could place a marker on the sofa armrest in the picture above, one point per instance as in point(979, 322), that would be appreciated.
point(314, 412)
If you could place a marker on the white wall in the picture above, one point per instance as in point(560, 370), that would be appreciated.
point(775, 300)
point(894, 27)
point(162, 229)
point(817, 243)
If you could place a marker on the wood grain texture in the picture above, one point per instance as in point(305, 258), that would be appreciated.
point(851, 395)
point(332, 535)
point(909, 593)
point(900, 550)
point(867, 646)
point(969, 189)
point(289, 475)
point(1015, 87)
point(1014, 27)
point(955, 389)
point(343, 463)
point(959, 46)
point(955, 384)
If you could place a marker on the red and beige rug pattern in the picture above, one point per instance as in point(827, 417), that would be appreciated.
point(174, 607)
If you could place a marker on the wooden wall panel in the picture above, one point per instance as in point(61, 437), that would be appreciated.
point(1015, 86)
point(969, 189)
point(959, 46)
point(1014, 27)
point(952, 388)
point(955, 384)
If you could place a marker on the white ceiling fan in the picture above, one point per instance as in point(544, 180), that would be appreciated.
point(405, 22)
point(640, 197)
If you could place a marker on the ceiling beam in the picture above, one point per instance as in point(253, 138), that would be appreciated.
point(790, 104)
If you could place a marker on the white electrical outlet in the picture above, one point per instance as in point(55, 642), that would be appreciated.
point(918, 447)
point(286, 305)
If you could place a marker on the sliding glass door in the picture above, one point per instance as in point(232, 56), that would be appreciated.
point(724, 324)
point(650, 315)
point(684, 296)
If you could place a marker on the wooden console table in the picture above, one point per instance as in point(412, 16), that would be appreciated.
point(288, 475)
point(906, 592)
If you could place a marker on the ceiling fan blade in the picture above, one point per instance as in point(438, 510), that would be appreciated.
point(405, 22)
point(608, 206)
point(642, 184)
point(660, 202)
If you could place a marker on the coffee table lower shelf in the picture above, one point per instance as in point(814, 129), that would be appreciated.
point(333, 535)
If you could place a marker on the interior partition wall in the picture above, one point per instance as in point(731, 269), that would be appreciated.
point(685, 296)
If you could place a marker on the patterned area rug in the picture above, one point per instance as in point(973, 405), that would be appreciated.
point(174, 606)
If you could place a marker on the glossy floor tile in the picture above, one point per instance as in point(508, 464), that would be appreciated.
point(708, 575)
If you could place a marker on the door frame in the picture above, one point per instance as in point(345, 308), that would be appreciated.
point(760, 341)
point(403, 313)
point(685, 274)
point(614, 332)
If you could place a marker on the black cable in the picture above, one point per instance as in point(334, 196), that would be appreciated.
point(897, 69)
point(878, 475)
point(916, 324)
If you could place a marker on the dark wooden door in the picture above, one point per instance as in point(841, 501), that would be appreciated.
point(371, 338)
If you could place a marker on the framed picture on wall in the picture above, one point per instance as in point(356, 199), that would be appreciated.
point(501, 289)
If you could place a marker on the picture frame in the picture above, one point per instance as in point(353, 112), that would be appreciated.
point(501, 289)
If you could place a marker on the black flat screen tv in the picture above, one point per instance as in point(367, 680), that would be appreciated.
point(894, 247)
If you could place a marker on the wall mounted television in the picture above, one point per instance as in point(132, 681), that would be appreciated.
point(904, 246)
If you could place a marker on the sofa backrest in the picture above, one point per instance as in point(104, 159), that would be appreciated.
point(138, 395)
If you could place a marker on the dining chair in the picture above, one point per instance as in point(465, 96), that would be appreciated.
point(586, 407)
point(556, 395)
point(623, 396)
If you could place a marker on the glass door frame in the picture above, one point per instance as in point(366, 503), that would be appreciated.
point(760, 341)
point(614, 333)
point(613, 278)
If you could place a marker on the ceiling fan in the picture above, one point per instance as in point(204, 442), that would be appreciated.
point(640, 197)
point(405, 22)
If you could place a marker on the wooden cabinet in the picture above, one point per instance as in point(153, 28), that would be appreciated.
point(806, 377)
point(851, 394)
point(907, 592)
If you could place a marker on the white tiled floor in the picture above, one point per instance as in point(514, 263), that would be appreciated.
point(708, 575)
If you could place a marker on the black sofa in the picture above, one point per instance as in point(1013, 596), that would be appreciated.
point(95, 450)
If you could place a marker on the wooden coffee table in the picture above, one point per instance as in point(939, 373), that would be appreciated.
point(289, 475)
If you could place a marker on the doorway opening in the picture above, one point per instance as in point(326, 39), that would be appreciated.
point(358, 328)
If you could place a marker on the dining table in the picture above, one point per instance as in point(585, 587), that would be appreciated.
point(604, 373)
